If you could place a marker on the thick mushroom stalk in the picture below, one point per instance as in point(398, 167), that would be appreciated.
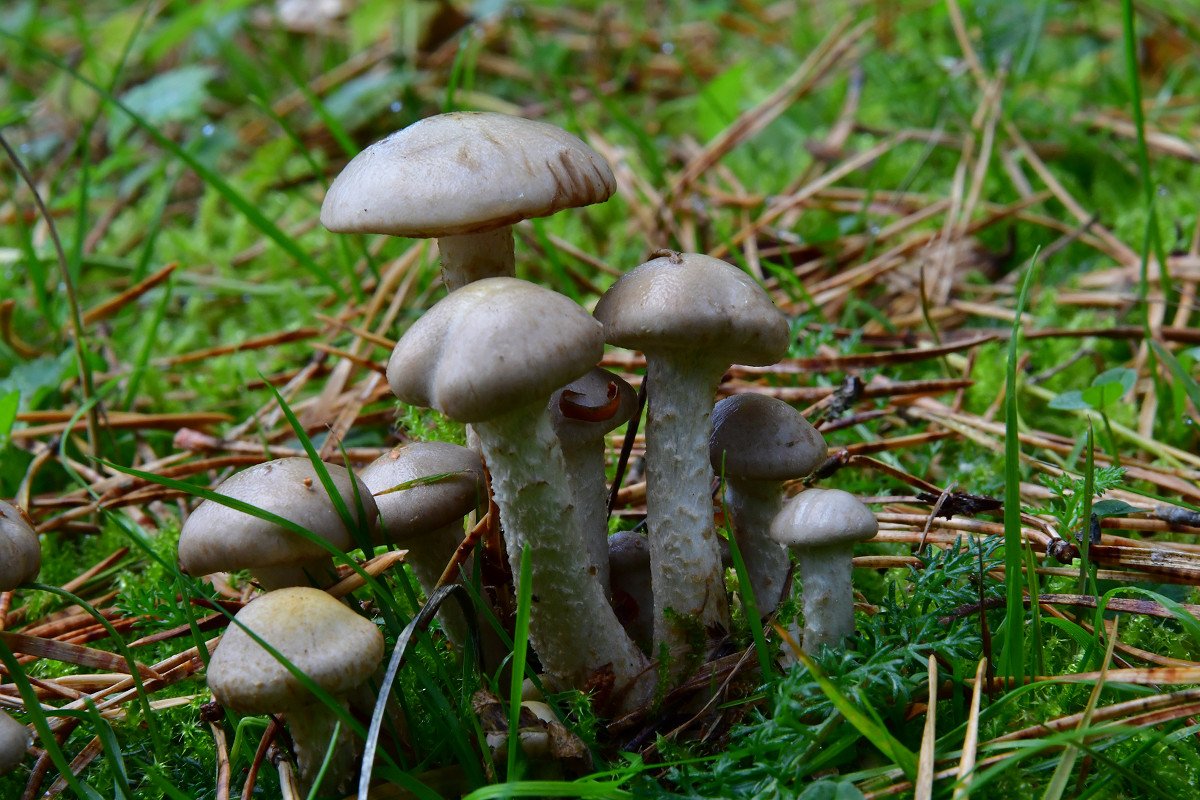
point(757, 443)
point(583, 412)
point(491, 354)
point(335, 647)
point(693, 316)
point(822, 526)
point(465, 178)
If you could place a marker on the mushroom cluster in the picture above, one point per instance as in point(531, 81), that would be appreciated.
point(518, 363)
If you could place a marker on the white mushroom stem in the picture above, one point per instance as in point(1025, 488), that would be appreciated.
point(585, 475)
point(825, 579)
point(753, 505)
point(470, 257)
point(312, 728)
point(573, 629)
point(685, 561)
point(428, 558)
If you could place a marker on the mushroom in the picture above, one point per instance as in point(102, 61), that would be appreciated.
point(629, 575)
point(583, 412)
point(335, 647)
point(821, 526)
point(427, 518)
point(692, 316)
point(14, 741)
point(20, 550)
point(465, 178)
point(758, 442)
point(492, 353)
point(217, 538)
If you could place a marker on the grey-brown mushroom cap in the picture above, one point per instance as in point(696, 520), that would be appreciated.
point(20, 550)
point(464, 172)
point(823, 517)
point(689, 301)
point(492, 346)
point(320, 636)
point(417, 510)
point(761, 438)
point(603, 402)
point(14, 741)
point(217, 538)
point(628, 552)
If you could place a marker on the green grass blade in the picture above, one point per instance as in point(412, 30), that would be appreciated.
point(520, 652)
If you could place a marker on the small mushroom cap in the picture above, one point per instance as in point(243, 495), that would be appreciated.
point(823, 517)
point(586, 409)
point(217, 538)
point(20, 550)
point(628, 553)
point(320, 636)
point(413, 512)
point(492, 346)
point(464, 172)
point(692, 302)
point(14, 741)
point(761, 438)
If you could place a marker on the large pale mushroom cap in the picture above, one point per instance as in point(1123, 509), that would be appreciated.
point(14, 741)
point(217, 538)
point(492, 346)
point(760, 438)
point(464, 172)
point(20, 550)
point(320, 636)
point(692, 302)
point(418, 510)
point(823, 517)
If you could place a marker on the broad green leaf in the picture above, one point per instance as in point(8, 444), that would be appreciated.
point(1070, 401)
point(1114, 508)
point(174, 96)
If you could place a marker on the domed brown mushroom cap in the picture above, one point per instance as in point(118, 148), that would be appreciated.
point(464, 172)
point(587, 408)
point(760, 438)
point(492, 346)
point(688, 301)
point(823, 517)
point(416, 511)
point(20, 550)
point(14, 741)
point(320, 636)
point(217, 538)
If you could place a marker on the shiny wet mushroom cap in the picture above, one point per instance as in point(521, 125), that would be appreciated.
point(20, 550)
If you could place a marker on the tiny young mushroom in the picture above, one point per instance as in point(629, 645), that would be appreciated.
point(427, 517)
point(217, 538)
point(20, 550)
point(335, 647)
point(465, 178)
point(583, 412)
point(758, 442)
point(822, 525)
point(693, 316)
point(492, 353)
point(14, 741)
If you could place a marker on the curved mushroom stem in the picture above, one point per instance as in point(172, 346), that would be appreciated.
point(428, 557)
point(319, 574)
point(685, 560)
point(471, 257)
point(825, 579)
point(312, 729)
point(572, 627)
point(753, 504)
point(585, 474)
